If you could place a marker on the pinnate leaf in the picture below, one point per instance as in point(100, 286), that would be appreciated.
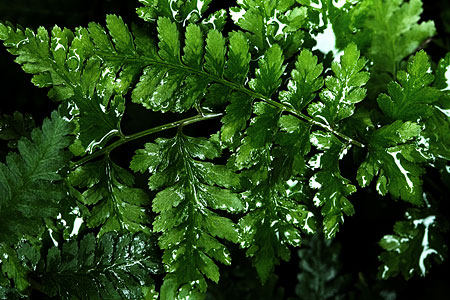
point(30, 181)
point(115, 204)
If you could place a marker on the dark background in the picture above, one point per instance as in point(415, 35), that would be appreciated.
point(358, 238)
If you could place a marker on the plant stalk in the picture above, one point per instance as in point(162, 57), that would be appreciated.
point(128, 138)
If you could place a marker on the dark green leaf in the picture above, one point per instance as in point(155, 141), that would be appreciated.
point(113, 267)
point(30, 183)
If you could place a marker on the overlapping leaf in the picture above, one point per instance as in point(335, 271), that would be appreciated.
point(30, 183)
point(292, 146)
point(271, 22)
point(343, 90)
point(414, 243)
point(190, 191)
point(411, 98)
point(396, 159)
point(113, 267)
point(333, 188)
point(115, 204)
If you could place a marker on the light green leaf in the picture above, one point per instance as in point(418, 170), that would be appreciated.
point(268, 76)
point(305, 82)
point(169, 41)
point(395, 32)
point(120, 34)
point(215, 53)
point(193, 50)
point(410, 98)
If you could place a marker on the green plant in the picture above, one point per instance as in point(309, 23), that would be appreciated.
point(285, 118)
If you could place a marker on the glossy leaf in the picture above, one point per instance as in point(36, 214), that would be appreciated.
point(415, 242)
point(115, 204)
point(411, 98)
point(190, 190)
point(305, 82)
point(343, 90)
point(395, 158)
point(115, 266)
point(333, 188)
point(271, 22)
point(268, 76)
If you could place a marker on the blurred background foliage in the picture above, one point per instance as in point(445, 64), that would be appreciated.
point(345, 268)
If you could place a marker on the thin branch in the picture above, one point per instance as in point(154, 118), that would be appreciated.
point(237, 87)
point(129, 138)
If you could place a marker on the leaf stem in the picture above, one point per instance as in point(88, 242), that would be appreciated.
point(128, 138)
point(234, 86)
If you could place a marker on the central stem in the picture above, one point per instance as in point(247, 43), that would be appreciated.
point(128, 138)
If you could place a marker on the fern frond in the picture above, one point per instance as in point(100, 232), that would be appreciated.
point(190, 191)
point(30, 181)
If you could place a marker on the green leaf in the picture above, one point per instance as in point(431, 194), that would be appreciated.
point(189, 189)
point(415, 241)
point(396, 159)
point(193, 50)
point(15, 126)
point(11, 266)
point(410, 98)
point(437, 132)
point(68, 63)
point(120, 34)
point(305, 82)
point(343, 90)
point(215, 53)
point(115, 266)
point(115, 204)
point(169, 41)
point(271, 22)
point(171, 85)
point(275, 221)
point(333, 188)
point(293, 146)
point(190, 11)
point(238, 58)
point(395, 32)
point(268, 76)
point(30, 181)
point(258, 136)
point(235, 120)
